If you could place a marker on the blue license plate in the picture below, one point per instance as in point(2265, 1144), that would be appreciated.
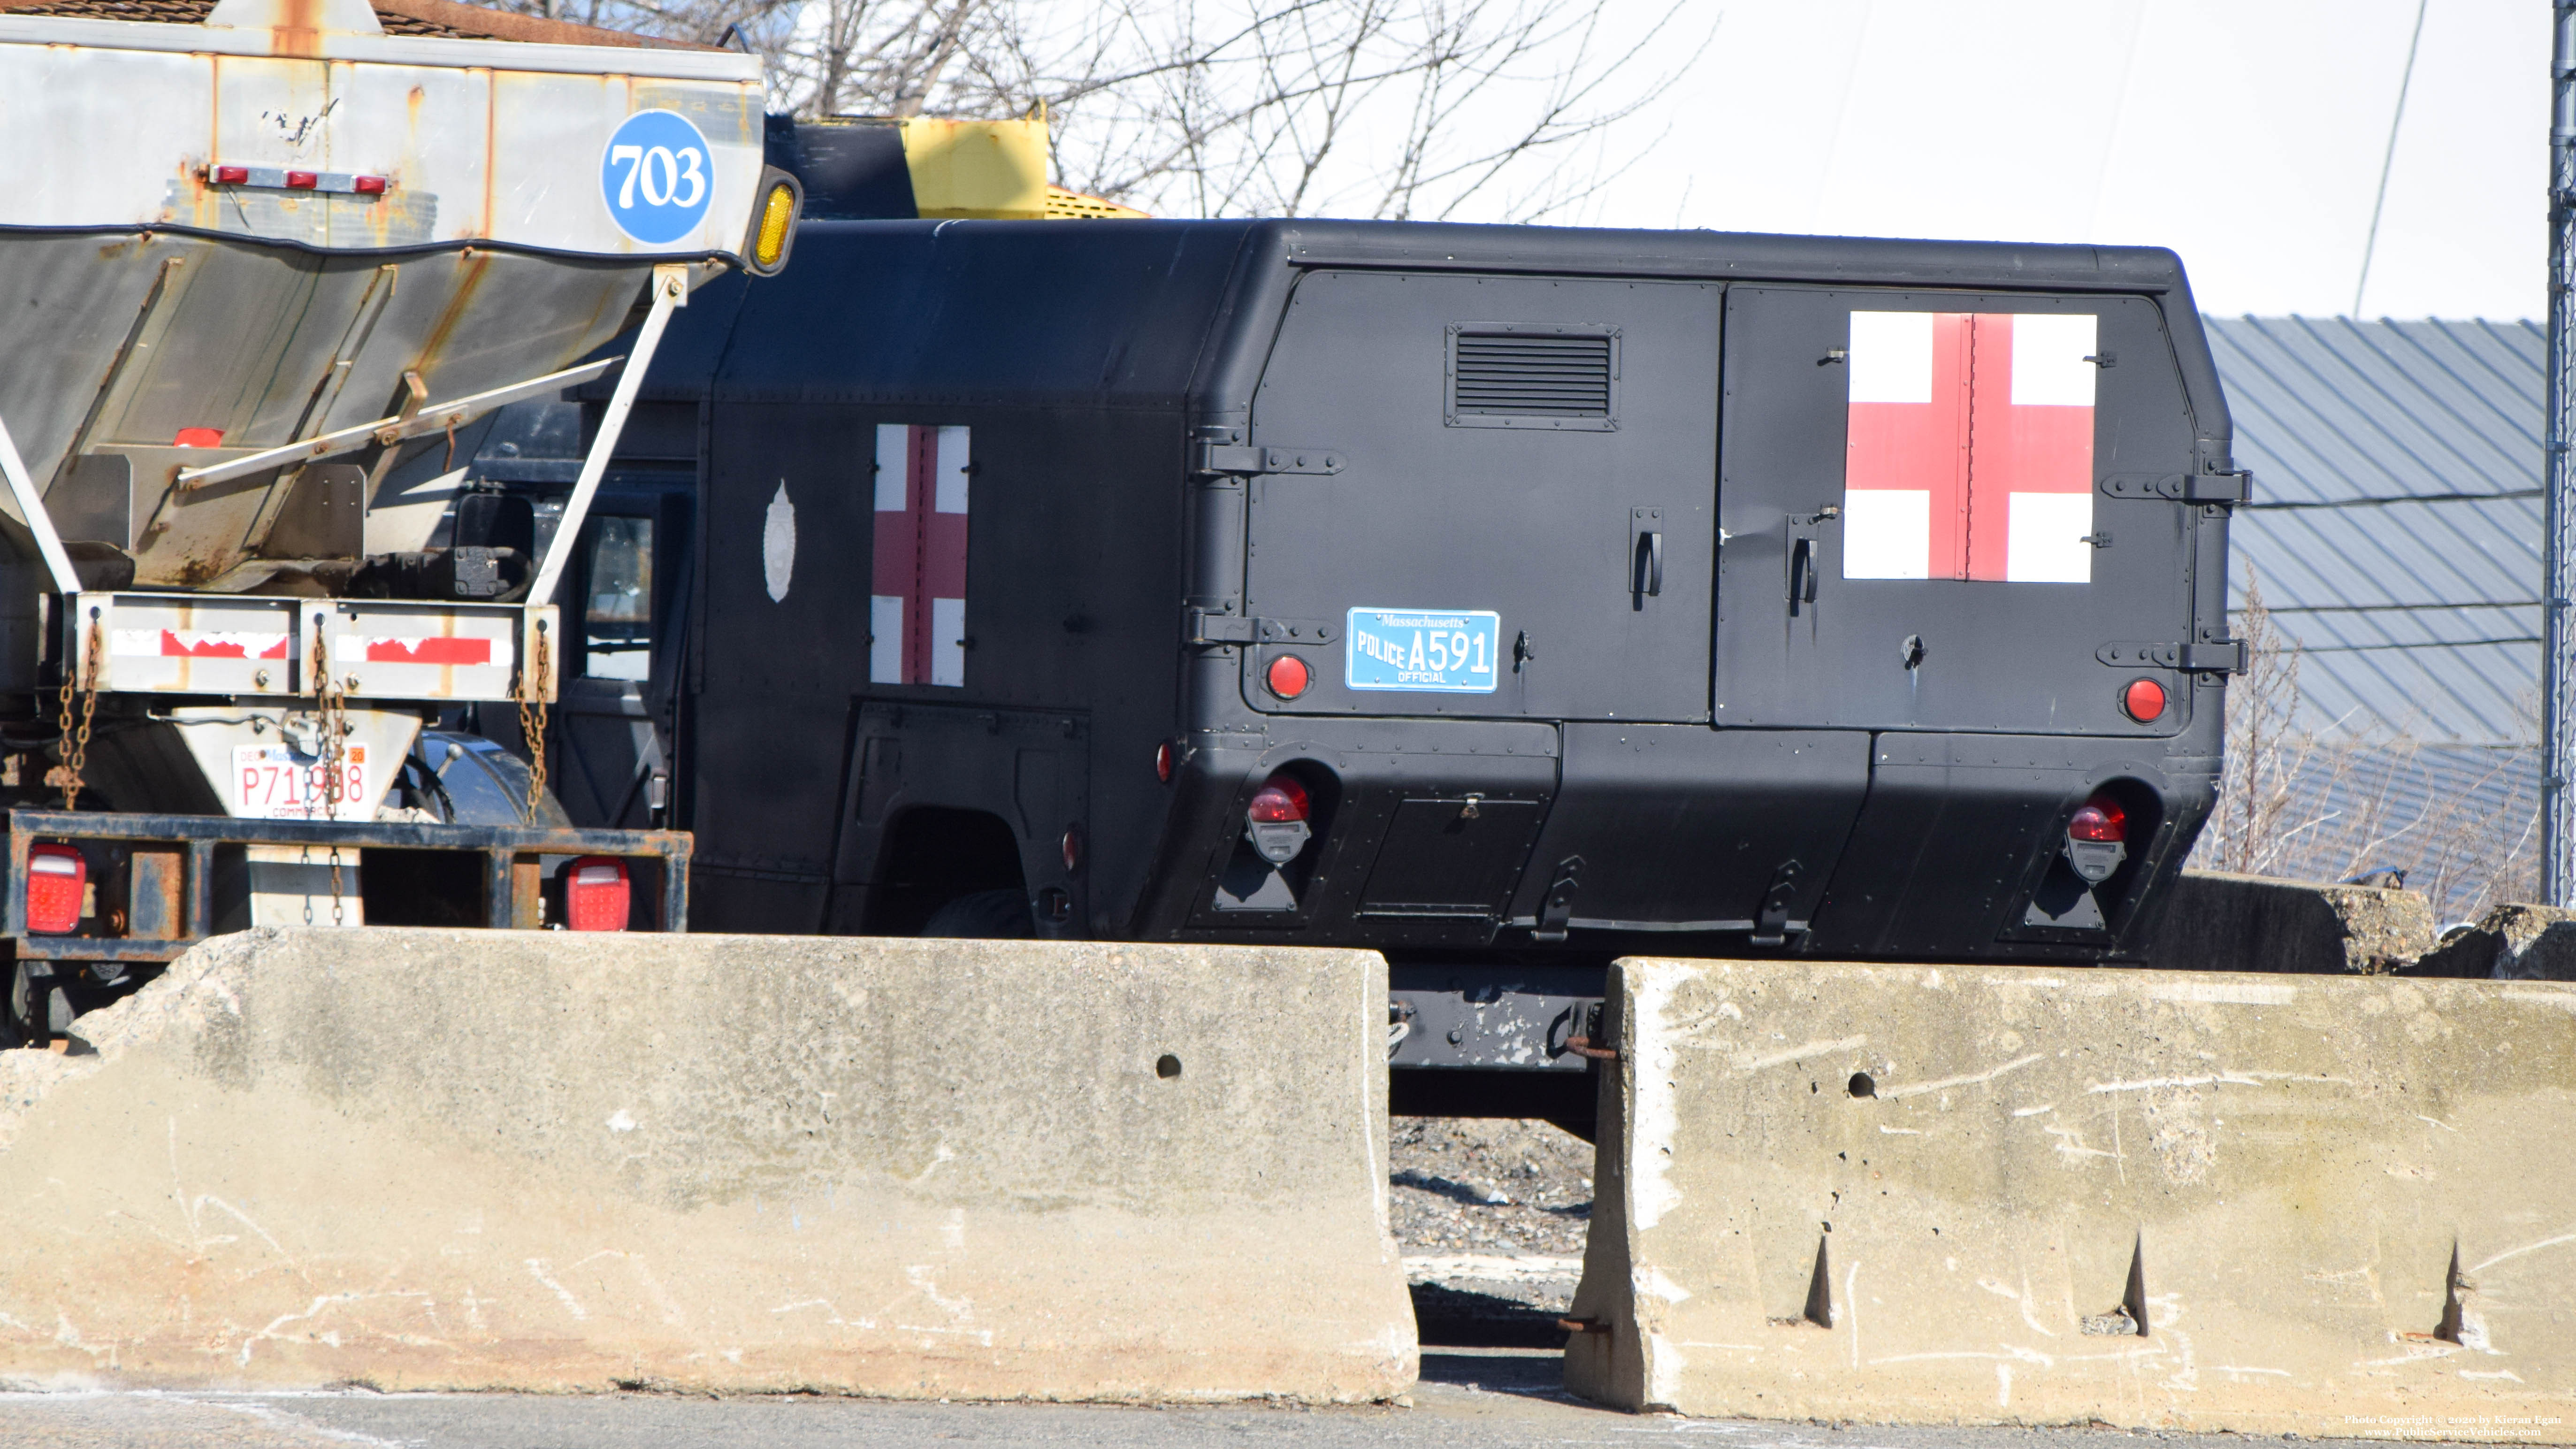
point(1449, 651)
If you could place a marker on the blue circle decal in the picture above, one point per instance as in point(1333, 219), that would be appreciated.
point(657, 176)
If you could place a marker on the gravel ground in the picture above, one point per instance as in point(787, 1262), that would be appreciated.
point(1491, 1215)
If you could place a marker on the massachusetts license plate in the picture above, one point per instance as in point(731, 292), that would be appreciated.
point(1451, 652)
point(271, 782)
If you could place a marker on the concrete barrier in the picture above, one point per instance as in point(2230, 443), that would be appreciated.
point(472, 1160)
point(2340, 1206)
point(2510, 943)
point(2218, 921)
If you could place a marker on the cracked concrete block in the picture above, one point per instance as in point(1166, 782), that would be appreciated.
point(520, 1160)
point(2511, 943)
point(2219, 921)
point(2335, 1206)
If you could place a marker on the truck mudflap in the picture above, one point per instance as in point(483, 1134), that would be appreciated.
point(2182, 1200)
point(160, 883)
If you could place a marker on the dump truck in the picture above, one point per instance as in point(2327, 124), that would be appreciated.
point(258, 629)
point(1504, 599)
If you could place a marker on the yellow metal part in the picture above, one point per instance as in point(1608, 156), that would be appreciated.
point(993, 169)
point(1063, 205)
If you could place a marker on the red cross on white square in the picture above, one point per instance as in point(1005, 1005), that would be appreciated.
point(917, 602)
point(1970, 447)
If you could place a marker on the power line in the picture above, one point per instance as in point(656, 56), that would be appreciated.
point(2382, 501)
point(2391, 608)
point(2389, 161)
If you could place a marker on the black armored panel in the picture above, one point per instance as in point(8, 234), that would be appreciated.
point(1503, 598)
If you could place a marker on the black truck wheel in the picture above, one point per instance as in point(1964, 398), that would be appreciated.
point(1001, 915)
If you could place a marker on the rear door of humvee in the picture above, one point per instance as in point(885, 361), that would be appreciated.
point(1948, 511)
point(1494, 495)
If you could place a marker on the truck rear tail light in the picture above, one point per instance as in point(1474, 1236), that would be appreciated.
point(303, 180)
point(595, 894)
point(57, 878)
point(198, 438)
point(368, 185)
point(2101, 818)
point(1280, 800)
point(2097, 839)
point(231, 176)
point(1163, 762)
point(1276, 822)
point(2143, 700)
point(1289, 676)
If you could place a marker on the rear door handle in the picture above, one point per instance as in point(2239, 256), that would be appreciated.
point(1802, 572)
point(1650, 563)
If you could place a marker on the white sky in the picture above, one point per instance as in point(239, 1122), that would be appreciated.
point(2247, 136)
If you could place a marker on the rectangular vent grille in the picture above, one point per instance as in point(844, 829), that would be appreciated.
point(1555, 378)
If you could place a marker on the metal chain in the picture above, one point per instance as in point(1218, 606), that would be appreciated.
point(75, 742)
point(532, 721)
point(331, 698)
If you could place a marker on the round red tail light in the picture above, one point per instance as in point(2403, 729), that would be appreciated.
point(1163, 762)
point(1289, 676)
point(1280, 800)
point(2143, 700)
point(2100, 819)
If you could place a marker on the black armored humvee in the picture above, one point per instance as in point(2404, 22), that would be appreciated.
point(1505, 599)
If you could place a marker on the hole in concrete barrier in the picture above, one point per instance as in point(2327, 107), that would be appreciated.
point(2130, 1318)
point(1820, 1290)
point(1167, 1066)
point(1862, 1086)
point(2450, 1327)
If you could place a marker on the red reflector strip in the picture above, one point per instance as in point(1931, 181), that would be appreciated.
point(368, 185)
point(303, 180)
point(194, 644)
point(437, 649)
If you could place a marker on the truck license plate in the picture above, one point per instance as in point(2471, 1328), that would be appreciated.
point(272, 782)
point(1447, 651)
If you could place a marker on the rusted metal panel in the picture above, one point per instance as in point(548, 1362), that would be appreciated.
point(109, 351)
point(474, 140)
point(176, 899)
point(157, 905)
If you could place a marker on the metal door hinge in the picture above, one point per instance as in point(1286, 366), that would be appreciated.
point(2182, 487)
point(2226, 656)
point(1246, 458)
point(1208, 626)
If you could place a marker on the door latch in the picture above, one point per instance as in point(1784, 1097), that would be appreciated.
point(1802, 571)
point(1645, 555)
point(1556, 908)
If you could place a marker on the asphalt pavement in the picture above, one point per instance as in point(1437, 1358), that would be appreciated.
point(1468, 1399)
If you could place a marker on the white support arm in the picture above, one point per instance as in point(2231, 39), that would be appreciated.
point(390, 431)
point(670, 289)
point(39, 522)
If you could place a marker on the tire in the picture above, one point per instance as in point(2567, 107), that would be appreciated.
point(983, 916)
